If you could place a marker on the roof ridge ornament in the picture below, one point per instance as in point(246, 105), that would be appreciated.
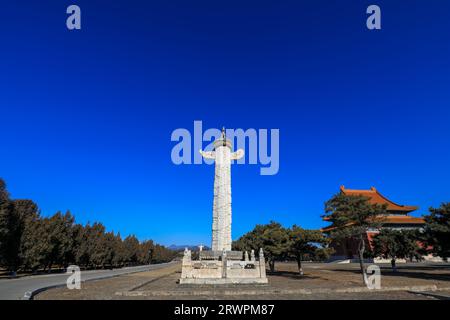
point(224, 137)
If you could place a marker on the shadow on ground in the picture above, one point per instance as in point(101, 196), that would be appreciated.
point(291, 275)
point(408, 272)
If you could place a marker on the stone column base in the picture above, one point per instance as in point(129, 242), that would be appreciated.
point(224, 281)
point(221, 270)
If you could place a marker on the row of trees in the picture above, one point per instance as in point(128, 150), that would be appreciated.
point(281, 243)
point(29, 241)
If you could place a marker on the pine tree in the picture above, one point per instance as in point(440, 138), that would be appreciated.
point(351, 217)
point(60, 231)
point(82, 245)
point(5, 212)
point(119, 249)
point(97, 252)
point(272, 238)
point(15, 222)
point(145, 255)
point(395, 244)
point(131, 244)
point(303, 242)
point(109, 246)
point(34, 243)
point(437, 230)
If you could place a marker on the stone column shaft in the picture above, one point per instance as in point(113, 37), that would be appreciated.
point(222, 200)
point(221, 224)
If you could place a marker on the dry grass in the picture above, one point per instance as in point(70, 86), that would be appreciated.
point(162, 284)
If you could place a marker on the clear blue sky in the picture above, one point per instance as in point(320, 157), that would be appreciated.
point(86, 116)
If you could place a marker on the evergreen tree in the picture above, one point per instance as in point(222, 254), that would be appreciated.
point(162, 254)
point(272, 237)
point(323, 253)
point(83, 245)
point(119, 249)
point(304, 242)
point(35, 242)
point(12, 225)
point(60, 231)
point(9, 227)
point(276, 243)
point(98, 254)
point(131, 244)
point(146, 250)
point(109, 246)
point(395, 244)
point(5, 211)
point(351, 217)
point(437, 230)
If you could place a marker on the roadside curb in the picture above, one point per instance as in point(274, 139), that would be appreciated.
point(255, 292)
point(434, 294)
point(29, 295)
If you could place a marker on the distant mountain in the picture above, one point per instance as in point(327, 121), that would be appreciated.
point(175, 247)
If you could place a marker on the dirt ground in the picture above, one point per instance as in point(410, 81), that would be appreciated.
point(320, 281)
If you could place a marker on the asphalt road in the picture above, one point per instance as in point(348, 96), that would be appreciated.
point(17, 289)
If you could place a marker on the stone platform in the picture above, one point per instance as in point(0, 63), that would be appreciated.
point(227, 267)
point(223, 281)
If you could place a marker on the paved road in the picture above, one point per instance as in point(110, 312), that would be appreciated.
point(16, 289)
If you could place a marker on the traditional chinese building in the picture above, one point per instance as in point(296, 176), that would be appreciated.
point(397, 217)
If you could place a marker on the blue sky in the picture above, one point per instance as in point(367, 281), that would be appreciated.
point(86, 116)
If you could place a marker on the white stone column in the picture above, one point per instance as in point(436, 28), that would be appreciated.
point(222, 198)
point(221, 225)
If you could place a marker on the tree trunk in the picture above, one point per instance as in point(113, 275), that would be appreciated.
point(394, 267)
point(299, 263)
point(272, 265)
point(362, 247)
